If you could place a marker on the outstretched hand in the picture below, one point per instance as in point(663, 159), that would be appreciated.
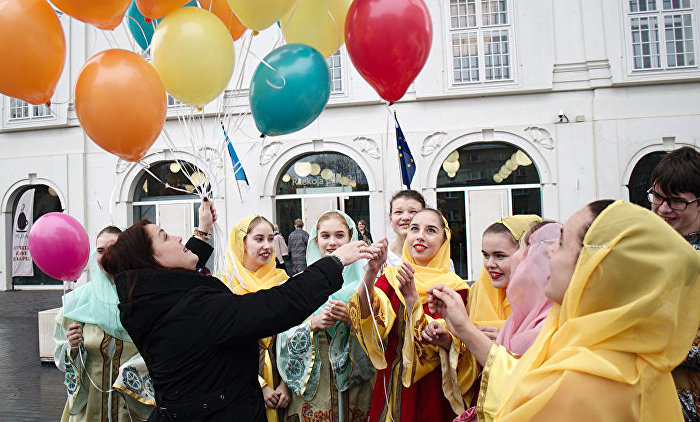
point(351, 252)
point(448, 304)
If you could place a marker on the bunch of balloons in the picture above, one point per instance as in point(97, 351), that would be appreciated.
point(192, 58)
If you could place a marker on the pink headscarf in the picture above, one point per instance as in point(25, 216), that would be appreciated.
point(525, 292)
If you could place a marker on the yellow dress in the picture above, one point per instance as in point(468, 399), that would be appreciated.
point(627, 319)
point(241, 281)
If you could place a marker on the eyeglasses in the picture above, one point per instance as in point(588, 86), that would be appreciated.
point(673, 203)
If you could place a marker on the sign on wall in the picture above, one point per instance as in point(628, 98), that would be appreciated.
point(23, 220)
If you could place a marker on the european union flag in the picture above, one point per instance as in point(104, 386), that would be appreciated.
point(238, 171)
point(408, 166)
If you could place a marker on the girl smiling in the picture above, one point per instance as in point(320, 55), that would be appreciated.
point(389, 316)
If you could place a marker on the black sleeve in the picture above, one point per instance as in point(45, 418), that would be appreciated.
point(202, 249)
point(234, 319)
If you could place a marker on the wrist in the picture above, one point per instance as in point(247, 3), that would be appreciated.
point(202, 234)
point(337, 260)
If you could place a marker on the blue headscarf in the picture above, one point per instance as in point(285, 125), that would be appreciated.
point(96, 303)
point(352, 274)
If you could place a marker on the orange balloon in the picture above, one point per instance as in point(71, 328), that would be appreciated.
point(32, 48)
point(120, 102)
point(104, 14)
point(222, 10)
point(156, 9)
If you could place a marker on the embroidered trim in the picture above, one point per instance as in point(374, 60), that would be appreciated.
point(485, 381)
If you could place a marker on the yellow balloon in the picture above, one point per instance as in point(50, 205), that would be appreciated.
point(318, 23)
point(192, 50)
point(259, 14)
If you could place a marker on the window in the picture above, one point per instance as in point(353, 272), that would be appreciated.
point(336, 69)
point(23, 110)
point(481, 38)
point(477, 184)
point(314, 183)
point(172, 102)
point(662, 34)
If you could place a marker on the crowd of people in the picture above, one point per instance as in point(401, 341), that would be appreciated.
point(597, 318)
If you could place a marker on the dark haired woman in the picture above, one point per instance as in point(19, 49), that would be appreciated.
point(622, 320)
point(198, 339)
point(363, 232)
point(91, 344)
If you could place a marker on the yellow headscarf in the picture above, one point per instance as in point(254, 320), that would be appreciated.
point(436, 272)
point(487, 304)
point(627, 319)
point(241, 280)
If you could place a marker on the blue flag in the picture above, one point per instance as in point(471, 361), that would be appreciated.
point(408, 166)
point(238, 171)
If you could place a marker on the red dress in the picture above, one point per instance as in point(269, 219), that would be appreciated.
point(424, 400)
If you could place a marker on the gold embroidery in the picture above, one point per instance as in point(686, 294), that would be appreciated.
point(485, 381)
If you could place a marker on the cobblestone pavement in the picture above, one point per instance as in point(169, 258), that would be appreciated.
point(29, 390)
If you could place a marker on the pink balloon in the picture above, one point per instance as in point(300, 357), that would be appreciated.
point(59, 246)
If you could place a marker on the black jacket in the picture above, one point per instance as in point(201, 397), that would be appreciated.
point(199, 340)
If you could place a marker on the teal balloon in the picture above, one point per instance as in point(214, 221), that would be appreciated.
point(141, 30)
point(293, 93)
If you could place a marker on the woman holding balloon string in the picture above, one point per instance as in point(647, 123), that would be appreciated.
point(390, 315)
point(198, 339)
point(320, 359)
point(91, 344)
point(251, 267)
point(530, 271)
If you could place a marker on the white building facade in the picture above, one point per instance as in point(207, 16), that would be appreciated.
point(523, 107)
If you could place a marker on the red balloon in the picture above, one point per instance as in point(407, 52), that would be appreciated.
point(388, 41)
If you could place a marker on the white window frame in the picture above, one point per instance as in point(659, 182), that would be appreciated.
point(659, 14)
point(344, 69)
point(479, 31)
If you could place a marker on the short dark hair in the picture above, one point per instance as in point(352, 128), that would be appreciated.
point(595, 207)
point(299, 223)
point(109, 230)
point(678, 172)
point(408, 194)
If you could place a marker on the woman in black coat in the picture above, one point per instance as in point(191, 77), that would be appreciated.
point(197, 338)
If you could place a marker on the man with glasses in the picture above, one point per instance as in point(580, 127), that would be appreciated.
point(675, 192)
point(675, 197)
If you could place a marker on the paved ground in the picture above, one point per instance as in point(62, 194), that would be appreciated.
point(29, 390)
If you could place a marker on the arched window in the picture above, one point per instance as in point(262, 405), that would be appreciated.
point(316, 182)
point(478, 184)
point(640, 179)
point(45, 200)
point(171, 202)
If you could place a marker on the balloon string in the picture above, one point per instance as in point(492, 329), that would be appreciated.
point(145, 168)
point(263, 61)
point(148, 45)
point(124, 25)
point(294, 10)
point(381, 344)
point(337, 29)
